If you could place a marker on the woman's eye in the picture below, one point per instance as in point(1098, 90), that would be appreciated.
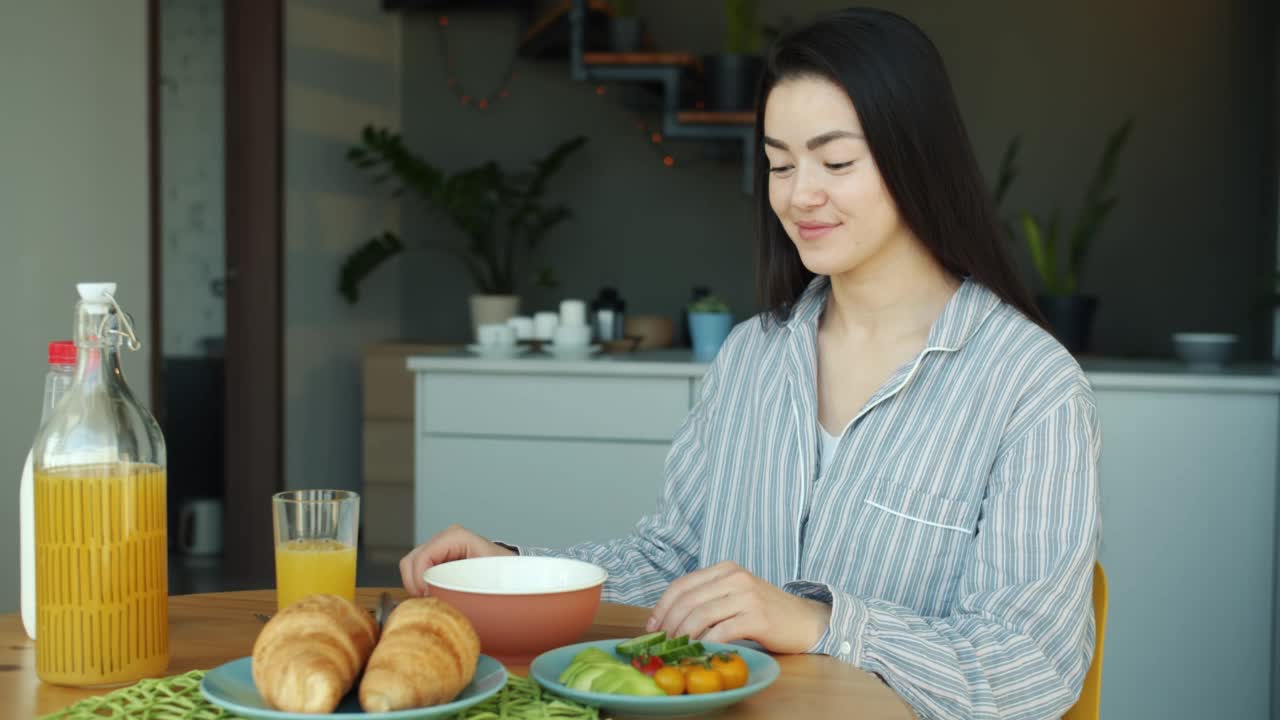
point(839, 166)
point(779, 169)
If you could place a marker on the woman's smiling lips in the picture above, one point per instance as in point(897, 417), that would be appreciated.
point(814, 230)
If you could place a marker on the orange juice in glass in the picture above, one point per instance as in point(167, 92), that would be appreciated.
point(315, 533)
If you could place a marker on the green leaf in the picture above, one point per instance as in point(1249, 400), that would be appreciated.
point(365, 260)
point(742, 26)
point(1058, 285)
point(551, 164)
point(1097, 204)
point(1035, 243)
point(500, 214)
point(1085, 231)
point(546, 278)
point(1008, 171)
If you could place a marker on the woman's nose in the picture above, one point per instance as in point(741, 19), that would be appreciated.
point(809, 191)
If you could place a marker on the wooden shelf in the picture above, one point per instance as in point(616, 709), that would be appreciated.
point(708, 117)
point(600, 59)
point(548, 35)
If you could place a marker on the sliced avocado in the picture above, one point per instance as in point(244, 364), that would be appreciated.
point(593, 655)
point(587, 679)
point(637, 645)
point(637, 683)
point(625, 680)
point(572, 672)
point(611, 680)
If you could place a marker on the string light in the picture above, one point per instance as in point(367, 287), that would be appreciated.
point(466, 99)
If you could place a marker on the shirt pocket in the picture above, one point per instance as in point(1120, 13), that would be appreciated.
point(924, 508)
point(922, 542)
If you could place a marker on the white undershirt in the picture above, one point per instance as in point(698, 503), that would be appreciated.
point(826, 449)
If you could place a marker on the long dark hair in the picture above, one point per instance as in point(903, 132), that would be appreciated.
point(895, 77)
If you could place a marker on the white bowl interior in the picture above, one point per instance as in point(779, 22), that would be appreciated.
point(515, 575)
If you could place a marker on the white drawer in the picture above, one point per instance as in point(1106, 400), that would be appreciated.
point(602, 408)
point(536, 492)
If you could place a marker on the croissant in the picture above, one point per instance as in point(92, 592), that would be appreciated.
point(309, 655)
point(427, 654)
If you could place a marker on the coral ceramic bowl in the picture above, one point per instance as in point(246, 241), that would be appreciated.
point(521, 606)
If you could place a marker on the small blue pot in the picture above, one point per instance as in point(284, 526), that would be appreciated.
point(708, 331)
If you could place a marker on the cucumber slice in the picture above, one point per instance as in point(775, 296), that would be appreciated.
point(640, 645)
point(662, 649)
point(684, 651)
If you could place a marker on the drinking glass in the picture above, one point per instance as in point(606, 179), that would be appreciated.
point(315, 533)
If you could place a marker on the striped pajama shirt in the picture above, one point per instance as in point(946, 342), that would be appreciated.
point(954, 535)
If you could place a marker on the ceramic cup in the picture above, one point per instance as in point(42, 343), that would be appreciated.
point(497, 335)
point(544, 325)
point(572, 336)
point(573, 312)
point(523, 327)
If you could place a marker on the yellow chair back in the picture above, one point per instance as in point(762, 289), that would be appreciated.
point(1086, 707)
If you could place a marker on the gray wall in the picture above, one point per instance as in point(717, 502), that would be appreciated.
point(342, 69)
point(1188, 247)
point(73, 195)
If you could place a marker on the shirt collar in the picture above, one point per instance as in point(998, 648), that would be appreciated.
point(961, 317)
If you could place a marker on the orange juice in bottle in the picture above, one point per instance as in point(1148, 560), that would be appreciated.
point(101, 539)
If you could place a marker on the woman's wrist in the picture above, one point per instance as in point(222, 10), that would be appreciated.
point(820, 619)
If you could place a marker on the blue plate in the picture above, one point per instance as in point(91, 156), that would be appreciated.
point(546, 668)
point(231, 687)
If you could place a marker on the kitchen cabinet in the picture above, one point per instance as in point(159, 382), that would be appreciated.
point(543, 452)
point(386, 492)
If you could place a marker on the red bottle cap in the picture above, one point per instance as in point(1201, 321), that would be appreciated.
point(62, 352)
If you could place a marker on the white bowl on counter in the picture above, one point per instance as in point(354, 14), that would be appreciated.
point(1204, 351)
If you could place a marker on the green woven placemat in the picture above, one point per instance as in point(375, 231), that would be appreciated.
point(178, 698)
point(173, 698)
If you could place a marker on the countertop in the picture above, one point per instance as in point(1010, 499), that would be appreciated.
point(1104, 373)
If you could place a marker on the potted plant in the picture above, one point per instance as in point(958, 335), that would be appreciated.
point(709, 324)
point(501, 215)
point(1060, 261)
point(732, 75)
point(625, 28)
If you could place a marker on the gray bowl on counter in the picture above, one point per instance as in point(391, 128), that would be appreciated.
point(1204, 351)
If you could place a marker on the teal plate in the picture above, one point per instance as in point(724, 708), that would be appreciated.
point(231, 687)
point(546, 668)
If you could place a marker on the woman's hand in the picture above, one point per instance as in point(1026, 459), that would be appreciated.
point(452, 543)
point(724, 602)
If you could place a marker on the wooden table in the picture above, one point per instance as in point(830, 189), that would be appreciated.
point(208, 630)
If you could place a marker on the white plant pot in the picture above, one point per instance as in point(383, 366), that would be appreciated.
point(489, 309)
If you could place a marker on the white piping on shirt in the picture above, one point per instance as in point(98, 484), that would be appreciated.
point(875, 504)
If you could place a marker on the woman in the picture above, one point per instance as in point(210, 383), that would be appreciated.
point(896, 465)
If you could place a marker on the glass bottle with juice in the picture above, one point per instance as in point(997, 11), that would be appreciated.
point(100, 520)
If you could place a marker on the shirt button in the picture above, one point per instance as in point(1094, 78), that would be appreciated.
point(845, 648)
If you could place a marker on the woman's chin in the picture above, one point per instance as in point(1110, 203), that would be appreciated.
point(823, 264)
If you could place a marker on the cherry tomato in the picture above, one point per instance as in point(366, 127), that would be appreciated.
point(732, 668)
point(703, 680)
point(646, 664)
point(670, 679)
